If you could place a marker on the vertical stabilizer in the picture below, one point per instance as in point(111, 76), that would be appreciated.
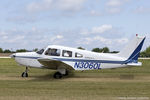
point(132, 50)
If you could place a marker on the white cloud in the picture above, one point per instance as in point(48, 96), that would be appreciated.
point(100, 41)
point(4, 37)
point(121, 40)
point(85, 31)
point(98, 29)
point(115, 6)
point(142, 10)
point(59, 36)
point(56, 39)
point(29, 39)
point(72, 5)
point(85, 41)
point(34, 29)
point(95, 13)
point(39, 6)
point(114, 3)
point(62, 5)
point(101, 29)
point(37, 38)
point(2, 33)
point(95, 39)
point(113, 10)
point(22, 19)
point(14, 39)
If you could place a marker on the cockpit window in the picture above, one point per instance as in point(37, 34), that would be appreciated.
point(40, 51)
point(52, 52)
point(67, 53)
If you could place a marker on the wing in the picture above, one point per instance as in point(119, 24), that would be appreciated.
point(54, 64)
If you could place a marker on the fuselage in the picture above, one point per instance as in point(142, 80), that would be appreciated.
point(76, 58)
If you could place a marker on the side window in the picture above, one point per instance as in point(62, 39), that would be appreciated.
point(67, 53)
point(53, 52)
point(78, 55)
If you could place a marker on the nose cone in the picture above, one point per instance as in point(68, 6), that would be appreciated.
point(13, 55)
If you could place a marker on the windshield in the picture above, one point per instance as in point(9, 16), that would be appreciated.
point(40, 51)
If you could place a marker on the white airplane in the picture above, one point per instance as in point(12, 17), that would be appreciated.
point(64, 59)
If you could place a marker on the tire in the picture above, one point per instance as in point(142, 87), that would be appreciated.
point(24, 74)
point(57, 75)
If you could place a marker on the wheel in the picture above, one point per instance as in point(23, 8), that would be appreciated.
point(58, 75)
point(24, 74)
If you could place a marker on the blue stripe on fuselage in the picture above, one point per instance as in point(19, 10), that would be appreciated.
point(85, 60)
point(79, 60)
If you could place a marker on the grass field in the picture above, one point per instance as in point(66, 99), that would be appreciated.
point(111, 84)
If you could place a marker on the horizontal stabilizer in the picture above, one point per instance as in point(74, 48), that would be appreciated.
point(135, 64)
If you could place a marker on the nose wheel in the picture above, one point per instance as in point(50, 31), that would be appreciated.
point(25, 74)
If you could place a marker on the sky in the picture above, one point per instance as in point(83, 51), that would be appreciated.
point(33, 24)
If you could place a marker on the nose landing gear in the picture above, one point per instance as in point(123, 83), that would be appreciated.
point(25, 74)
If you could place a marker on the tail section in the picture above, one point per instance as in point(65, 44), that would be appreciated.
point(132, 50)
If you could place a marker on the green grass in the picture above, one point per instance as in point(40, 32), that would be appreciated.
point(105, 84)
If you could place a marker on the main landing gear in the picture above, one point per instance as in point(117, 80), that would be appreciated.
point(57, 75)
point(25, 74)
point(60, 74)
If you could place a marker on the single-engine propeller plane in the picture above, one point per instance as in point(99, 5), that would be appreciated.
point(64, 59)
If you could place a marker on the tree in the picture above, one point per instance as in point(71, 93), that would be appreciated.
point(145, 53)
point(114, 52)
point(21, 50)
point(96, 50)
point(1, 50)
point(36, 49)
point(105, 50)
point(7, 51)
point(81, 48)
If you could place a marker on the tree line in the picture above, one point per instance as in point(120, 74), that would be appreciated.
point(101, 50)
point(145, 53)
point(104, 50)
point(10, 51)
